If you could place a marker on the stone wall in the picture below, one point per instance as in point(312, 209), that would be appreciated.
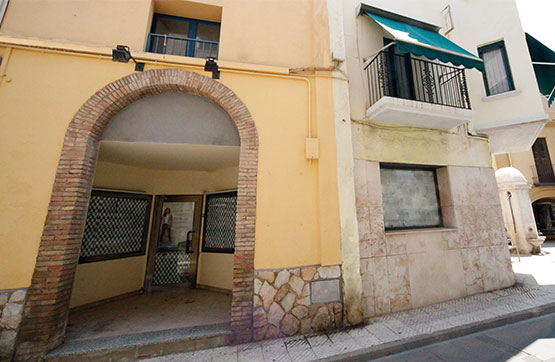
point(11, 310)
point(296, 300)
point(413, 268)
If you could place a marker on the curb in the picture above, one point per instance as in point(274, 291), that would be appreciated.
point(422, 340)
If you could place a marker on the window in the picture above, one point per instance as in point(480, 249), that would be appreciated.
point(544, 167)
point(219, 223)
point(185, 37)
point(497, 76)
point(410, 197)
point(116, 226)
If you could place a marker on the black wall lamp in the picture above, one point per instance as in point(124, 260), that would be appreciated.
point(122, 55)
point(212, 66)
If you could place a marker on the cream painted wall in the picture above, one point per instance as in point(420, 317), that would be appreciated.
point(290, 187)
point(105, 279)
point(524, 161)
point(419, 146)
point(271, 32)
point(476, 23)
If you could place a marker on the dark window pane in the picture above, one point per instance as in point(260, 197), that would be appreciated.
point(410, 198)
point(209, 32)
point(173, 27)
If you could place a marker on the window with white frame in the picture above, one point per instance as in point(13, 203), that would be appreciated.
point(410, 197)
point(497, 77)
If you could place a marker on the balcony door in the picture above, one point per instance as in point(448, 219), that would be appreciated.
point(543, 161)
point(401, 83)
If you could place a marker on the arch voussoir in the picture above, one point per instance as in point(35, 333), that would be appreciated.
point(43, 324)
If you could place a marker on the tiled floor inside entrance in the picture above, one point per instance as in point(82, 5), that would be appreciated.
point(148, 313)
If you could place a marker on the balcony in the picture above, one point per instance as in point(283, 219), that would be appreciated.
point(542, 174)
point(416, 92)
point(182, 46)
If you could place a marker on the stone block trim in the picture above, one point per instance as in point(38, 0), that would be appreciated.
point(47, 306)
point(282, 302)
point(11, 312)
point(404, 270)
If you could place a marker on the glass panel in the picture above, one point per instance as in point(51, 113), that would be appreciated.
point(173, 27)
point(177, 221)
point(209, 32)
point(410, 198)
point(496, 72)
point(173, 258)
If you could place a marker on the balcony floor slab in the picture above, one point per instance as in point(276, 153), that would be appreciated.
point(417, 114)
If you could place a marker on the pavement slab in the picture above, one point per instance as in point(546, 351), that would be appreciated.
point(532, 296)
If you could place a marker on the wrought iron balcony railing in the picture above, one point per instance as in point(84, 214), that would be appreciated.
point(402, 76)
point(187, 47)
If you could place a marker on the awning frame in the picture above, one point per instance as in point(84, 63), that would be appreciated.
point(364, 9)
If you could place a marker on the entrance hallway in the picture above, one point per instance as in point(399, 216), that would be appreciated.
point(178, 308)
point(533, 295)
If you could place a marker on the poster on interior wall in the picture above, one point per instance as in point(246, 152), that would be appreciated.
point(176, 225)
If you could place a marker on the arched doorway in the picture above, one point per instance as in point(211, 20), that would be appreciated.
point(544, 213)
point(46, 309)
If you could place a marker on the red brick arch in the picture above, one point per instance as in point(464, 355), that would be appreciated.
point(47, 306)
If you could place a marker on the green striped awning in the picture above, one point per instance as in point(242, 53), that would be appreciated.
point(423, 42)
point(543, 60)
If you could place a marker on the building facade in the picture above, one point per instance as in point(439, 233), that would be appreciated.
point(296, 158)
point(415, 117)
point(534, 165)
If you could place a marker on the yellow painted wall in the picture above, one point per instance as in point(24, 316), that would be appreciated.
point(524, 162)
point(271, 32)
point(100, 22)
point(215, 270)
point(105, 279)
point(42, 91)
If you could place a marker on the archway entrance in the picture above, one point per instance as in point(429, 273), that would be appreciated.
point(46, 310)
point(544, 213)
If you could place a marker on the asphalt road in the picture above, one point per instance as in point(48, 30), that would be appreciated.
point(526, 341)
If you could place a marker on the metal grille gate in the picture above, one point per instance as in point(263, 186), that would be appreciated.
point(171, 267)
point(219, 223)
point(116, 226)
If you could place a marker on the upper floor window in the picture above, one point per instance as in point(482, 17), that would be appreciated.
point(185, 37)
point(497, 76)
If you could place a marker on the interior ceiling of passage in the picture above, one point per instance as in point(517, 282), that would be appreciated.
point(173, 118)
point(167, 156)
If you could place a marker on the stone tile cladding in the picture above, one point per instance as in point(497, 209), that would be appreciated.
point(401, 271)
point(46, 309)
point(11, 312)
point(282, 305)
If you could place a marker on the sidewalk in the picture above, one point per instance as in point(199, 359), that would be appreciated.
point(533, 294)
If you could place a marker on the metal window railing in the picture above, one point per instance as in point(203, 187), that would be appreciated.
point(182, 46)
point(400, 76)
point(542, 174)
